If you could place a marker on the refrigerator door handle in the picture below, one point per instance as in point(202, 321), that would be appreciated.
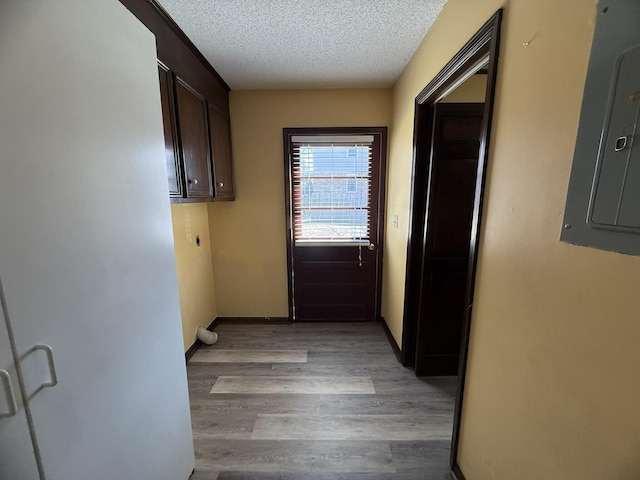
point(10, 396)
point(52, 367)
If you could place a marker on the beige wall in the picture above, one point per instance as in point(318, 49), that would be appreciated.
point(193, 264)
point(248, 235)
point(553, 383)
point(473, 90)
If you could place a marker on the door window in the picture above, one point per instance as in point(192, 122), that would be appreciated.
point(331, 180)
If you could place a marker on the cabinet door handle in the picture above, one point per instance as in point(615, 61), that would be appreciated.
point(193, 181)
point(9, 395)
point(52, 367)
point(221, 184)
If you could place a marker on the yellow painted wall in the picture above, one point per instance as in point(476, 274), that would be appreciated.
point(193, 264)
point(248, 235)
point(472, 90)
point(553, 382)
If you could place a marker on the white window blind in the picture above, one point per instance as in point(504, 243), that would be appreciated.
point(331, 189)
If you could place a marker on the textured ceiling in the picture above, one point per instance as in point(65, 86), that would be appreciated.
point(266, 44)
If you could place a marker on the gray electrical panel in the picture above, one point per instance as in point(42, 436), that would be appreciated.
point(603, 201)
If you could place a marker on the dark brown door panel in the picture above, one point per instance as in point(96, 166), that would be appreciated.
point(194, 140)
point(335, 193)
point(172, 157)
point(451, 192)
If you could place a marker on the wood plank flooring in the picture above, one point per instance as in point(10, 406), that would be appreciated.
point(294, 384)
point(349, 412)
point(249, 356)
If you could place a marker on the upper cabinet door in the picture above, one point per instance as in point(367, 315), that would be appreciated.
point(220, 132)
point(168, 120)
point(194, 140)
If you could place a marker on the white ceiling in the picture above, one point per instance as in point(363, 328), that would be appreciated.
point(268, 44)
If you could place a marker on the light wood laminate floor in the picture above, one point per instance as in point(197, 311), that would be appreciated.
point(349, 412)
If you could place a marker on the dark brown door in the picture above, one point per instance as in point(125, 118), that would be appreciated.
point(193, 128)
point(335, 190)
point(452, 180)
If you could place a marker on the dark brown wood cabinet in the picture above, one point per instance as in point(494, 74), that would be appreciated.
point(195, 146)
point(195, 109)
point(220, 134)
point(197, 143)
point(174, 171)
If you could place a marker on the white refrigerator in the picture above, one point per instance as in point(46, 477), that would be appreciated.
point(92, 372)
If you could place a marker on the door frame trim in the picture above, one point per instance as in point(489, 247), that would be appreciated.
point(483, 44)
point(287, 133)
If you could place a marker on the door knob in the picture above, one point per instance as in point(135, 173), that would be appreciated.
point(193, 181)
point(372, 246)
point(221, 184)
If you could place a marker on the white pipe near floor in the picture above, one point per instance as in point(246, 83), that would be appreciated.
point(205, 336)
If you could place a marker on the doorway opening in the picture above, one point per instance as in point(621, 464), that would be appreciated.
point(453, 175)
point(451, 145)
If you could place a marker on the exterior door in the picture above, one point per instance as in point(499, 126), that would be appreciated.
point(451, 192)
point(335, 197)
